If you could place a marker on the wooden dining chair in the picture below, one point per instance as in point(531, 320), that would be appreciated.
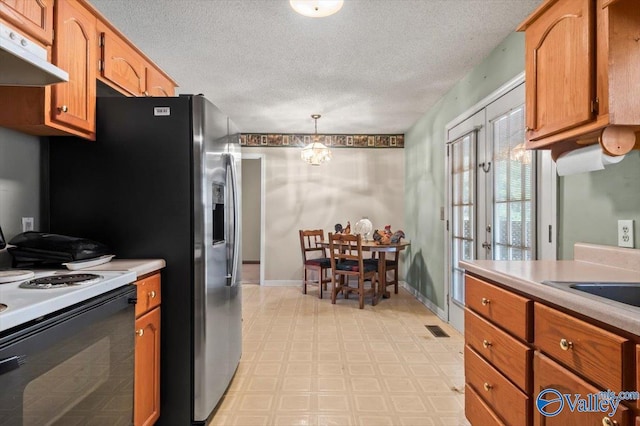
point(391, 266)
point(314, 260)
point(347, 264)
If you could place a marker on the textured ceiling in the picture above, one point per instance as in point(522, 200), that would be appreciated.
point(374, 67)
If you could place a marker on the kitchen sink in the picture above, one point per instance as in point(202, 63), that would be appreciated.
point(627, 293)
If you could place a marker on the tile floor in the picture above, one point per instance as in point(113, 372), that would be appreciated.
point(308, 362)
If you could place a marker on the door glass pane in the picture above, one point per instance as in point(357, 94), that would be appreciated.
point(501, 230)
point(463, 213)
point(513, 208)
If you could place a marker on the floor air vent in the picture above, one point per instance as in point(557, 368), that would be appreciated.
point(436, 331)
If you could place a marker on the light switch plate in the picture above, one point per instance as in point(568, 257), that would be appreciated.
point(625, 233)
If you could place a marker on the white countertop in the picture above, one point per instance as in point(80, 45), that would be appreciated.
point(527, 276)
point(139, 266)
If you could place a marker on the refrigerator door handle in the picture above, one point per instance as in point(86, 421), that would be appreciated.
point(231, 280)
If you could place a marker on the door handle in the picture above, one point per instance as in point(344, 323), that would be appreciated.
point(11, 363)
point(231, 278)
point(486, 245)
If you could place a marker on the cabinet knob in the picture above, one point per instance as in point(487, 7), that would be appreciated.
point(140, 332)
point(152, 294)
point(565, 345)
point(606, 421)
point(23, 42)
point(526, 129)
point(63, 108)
point(486, 343)
point(12, 35)
point(487, 387)
point(485, 301)
point(146, 93)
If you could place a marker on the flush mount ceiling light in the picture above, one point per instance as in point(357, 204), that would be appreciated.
point(316, 8)
point(315, 153)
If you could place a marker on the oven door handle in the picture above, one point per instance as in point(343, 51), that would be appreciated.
point(11, 363)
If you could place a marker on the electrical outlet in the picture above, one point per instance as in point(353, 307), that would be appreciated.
point(27, 224)
point(625, 233)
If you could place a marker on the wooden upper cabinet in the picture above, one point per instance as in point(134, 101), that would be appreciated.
point(126, 69)
point(74, 50)
point(158, 84)
point(581, 60)
point(120, 66)
point(63, 108)
point(560, 68)
point(34, 17)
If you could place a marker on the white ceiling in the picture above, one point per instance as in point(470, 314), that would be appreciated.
point(374, 67)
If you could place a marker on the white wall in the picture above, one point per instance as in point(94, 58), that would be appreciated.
point(357, 182)
point(250, 210)
point(425, 160)
point(19, 183)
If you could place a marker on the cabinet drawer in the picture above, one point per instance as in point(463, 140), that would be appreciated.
point(550, 375)
point(476, 411)
point(508, 310)
point(503, 397)
point(504, 352)
point(148, 294)
point(596, 354)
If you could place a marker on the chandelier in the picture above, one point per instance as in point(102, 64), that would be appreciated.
point(315, 153)
point(316, 8)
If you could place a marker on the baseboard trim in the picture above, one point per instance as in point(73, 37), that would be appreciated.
point(426, 302)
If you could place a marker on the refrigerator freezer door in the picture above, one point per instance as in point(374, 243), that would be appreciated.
point(211, 293)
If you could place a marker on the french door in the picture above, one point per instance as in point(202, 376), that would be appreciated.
point(491, 192)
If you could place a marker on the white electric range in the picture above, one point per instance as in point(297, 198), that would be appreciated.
point(27, 304)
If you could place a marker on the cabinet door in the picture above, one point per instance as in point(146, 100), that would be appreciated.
point(74, 50)
point(560, 68)
point(158, 84)
point(549, 375)
point(146, 405)
point(34, 17)
point(589, 350)
point(121, 65)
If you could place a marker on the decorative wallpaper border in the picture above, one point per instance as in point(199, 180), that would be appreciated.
point(299, 140)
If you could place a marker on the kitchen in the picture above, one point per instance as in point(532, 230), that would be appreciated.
point(420, 215)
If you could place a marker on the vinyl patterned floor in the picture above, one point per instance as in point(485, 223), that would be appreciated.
point(308, 362)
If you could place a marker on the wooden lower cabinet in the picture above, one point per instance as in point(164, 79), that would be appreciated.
point(502, 396)
point(601, 356)
point(505, 372)
point(550, 375)
point(146, 402)
point(477, 411)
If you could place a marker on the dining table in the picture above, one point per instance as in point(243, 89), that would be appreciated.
point(381, 250)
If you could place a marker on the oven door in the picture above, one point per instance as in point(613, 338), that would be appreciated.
point(74, 367)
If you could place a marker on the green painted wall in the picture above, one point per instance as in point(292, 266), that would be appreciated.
point(425, 165)
point(590, 205)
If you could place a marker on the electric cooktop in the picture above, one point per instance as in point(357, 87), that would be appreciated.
point(57, 281)
point(57, 289)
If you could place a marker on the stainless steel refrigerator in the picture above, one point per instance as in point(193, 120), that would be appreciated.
point(162, 180)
